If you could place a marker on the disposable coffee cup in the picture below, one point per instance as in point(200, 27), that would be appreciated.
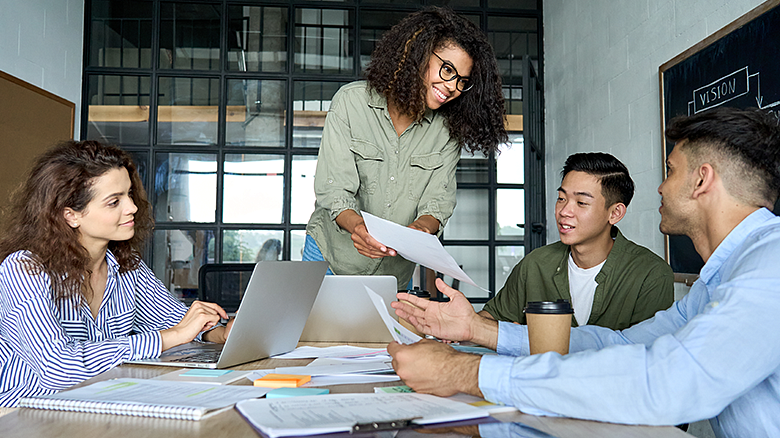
point(549, 326)
point(419, 294)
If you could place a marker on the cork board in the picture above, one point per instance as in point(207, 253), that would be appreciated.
point(31, 121)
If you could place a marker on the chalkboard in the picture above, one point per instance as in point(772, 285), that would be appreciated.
point(738, 66)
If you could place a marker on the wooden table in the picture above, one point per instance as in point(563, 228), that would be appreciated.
point(25, 423)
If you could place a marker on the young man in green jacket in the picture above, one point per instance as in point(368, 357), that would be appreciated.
point(610, 281)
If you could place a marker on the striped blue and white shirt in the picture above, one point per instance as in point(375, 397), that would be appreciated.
point(48, 345)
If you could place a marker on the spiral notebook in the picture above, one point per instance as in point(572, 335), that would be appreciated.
point(146, 398)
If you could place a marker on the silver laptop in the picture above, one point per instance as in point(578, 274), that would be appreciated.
point(343, 312)
point(269, 320)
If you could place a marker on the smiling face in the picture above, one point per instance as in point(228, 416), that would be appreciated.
point(581, 211)
point(109, 215)
point(438, 91)
point(676, 211)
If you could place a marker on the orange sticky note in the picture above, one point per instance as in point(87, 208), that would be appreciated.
point(282, 380)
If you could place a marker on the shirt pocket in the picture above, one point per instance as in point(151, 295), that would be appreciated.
point(369, 161)
point(422, 167)
point(121, 324)
point(75, 329)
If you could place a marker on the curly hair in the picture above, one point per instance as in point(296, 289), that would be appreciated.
point(400, 60)
point(61, 178)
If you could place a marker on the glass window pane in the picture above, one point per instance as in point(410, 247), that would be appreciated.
point(189, 36)
point(510, 164)
point(474, 261)
point(185, 187)
point(302, 197)
point(323, 41)
point(311, 101)
point(506, 259)
point(257, 38)
point(178, 255)
point(139, 159)
point(472, 168)
point(118, 109)
point(455, 3)
point(251, 246)
point(255, 112)
point(188, 111)
point(511, 38)
point(121, 33)
point(510, 213)
point(470, 218)
point(372, 25)
point(254, 189)
point(296, 247)
point(515, 4)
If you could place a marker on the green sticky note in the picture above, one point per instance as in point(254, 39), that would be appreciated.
point(394, 389)
point(205, 373)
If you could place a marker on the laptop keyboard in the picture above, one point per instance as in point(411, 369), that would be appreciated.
point(202, 357)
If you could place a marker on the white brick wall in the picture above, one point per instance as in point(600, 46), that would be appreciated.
point(41, 43)
point(601, 87)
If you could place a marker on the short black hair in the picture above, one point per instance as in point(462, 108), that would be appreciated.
point(748, 137)
point(616, 183)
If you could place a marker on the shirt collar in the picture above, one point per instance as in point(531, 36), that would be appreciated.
point(113, 264)
point(732, 241)
point(376, 100)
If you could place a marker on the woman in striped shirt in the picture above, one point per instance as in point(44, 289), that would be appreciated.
point(75, 297)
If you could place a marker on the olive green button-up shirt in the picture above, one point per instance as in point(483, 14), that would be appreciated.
point(633, 284)
point(363, 164)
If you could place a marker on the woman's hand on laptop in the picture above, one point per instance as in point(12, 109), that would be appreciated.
point(199, 317)
point(218, 334)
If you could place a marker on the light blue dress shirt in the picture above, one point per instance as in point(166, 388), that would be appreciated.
point(48, 345)
point(714, 354)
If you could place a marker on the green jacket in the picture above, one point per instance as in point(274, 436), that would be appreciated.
point(363, 164)
point(633, 284)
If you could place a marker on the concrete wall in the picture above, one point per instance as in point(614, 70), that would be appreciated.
point(602, 93)
point(41, 43)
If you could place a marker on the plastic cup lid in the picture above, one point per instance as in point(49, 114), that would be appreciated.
point(549, 307)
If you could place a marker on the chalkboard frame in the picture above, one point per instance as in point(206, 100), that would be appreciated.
point(681, 243)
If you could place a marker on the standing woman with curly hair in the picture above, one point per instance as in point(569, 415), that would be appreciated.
point(75, 297)
point(390, 144)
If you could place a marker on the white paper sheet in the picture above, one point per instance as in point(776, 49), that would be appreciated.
point(415, 246)
point(343, 361)
point(339, 412)
point(401, 334)
point(331, 370)
point(338, 351)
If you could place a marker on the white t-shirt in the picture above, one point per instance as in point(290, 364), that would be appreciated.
point(582, 287)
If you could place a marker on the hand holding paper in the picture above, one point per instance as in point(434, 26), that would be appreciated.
point(415, 246)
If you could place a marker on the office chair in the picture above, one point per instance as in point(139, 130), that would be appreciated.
point(224, 283)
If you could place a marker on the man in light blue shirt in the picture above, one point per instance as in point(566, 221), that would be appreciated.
point(714, 354)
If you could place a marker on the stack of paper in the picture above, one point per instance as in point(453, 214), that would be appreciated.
point(340, 412)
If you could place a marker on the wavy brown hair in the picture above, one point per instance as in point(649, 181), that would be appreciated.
point(400, 60)
point(63, 177)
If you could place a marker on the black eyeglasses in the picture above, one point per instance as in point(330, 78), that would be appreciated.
point(448, 72)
